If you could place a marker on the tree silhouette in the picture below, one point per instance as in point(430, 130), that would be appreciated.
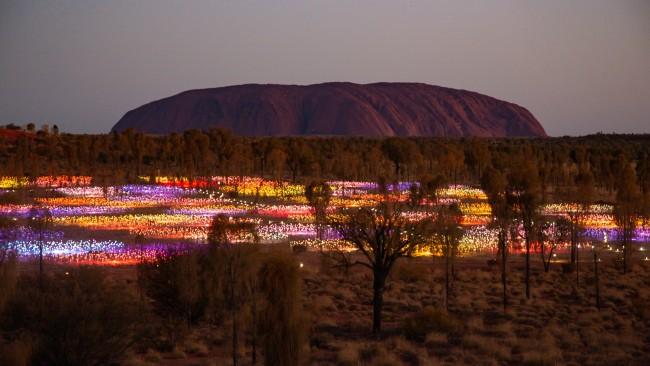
point(551, 231)
point(494, 183)
point(626, 210)
point(447, 234)
point(581, 196)
point(40, 221)
point(525, 195)
point(79, 317)
point(318, 195)
point(383, 235)
point(234, 267)
point(281, 318)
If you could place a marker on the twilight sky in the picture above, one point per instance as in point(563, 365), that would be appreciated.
point(579, 66)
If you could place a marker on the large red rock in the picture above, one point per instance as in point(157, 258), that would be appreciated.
point(381, 109)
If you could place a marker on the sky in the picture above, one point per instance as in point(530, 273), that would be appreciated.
point(580, 66)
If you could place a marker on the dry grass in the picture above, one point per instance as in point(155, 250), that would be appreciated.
point(487, 346)
point(559, 325)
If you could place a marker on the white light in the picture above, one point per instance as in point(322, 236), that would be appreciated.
point(301, 265)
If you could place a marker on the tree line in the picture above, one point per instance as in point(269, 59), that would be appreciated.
point(123, 157)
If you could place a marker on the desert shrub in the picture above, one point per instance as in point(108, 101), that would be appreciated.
point(376, 354)
point(429, 319)
point(152, 357)
point(437, 343)
point(474, 324)
point(78, 318)
point(327, 265)
point(536, 358)
point(17, 352)
point(299, 248)
point(177, 353)
point(369, 351)
point(409, 271)
point(435, 339)
point(405, 350)
point(640, 308)
point(545, 351)
point(282, 329)
point(337, 264)
point(487, 346)
point(173, 283)
point(323, 303)
point(196, 347)
point(348, 355)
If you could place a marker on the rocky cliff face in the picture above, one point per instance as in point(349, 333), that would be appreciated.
point(381, 109)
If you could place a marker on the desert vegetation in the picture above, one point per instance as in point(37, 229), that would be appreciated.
point(208, 248)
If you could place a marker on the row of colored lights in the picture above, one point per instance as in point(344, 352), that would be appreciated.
point(201, 209)
point(63, 247)
point(7, 182)
point(564, 208)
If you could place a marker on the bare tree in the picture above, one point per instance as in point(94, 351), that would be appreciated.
point(596, 275)
point(8, 279)
point(447, 233)
point(581, 195)
point(551, 232)
point(627, 209)
point(318, 195)
point(40, 221)
point(173, 283)
point(525, 195)
point(7, 224)
point(494, 184)
point(383, 235)
point(426, 191)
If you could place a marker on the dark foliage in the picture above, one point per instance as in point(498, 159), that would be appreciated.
point(78, 318)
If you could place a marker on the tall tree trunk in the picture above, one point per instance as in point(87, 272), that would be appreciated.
point(502, 245)
point(377, 302)
point(596, 282)
point(573, 240)
point(447, 253)
point(254, 332)
point(577, 266)
point(624, 247)
point(542, 251)
point(40, 261)
point(527, 267)
point(233, 311)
